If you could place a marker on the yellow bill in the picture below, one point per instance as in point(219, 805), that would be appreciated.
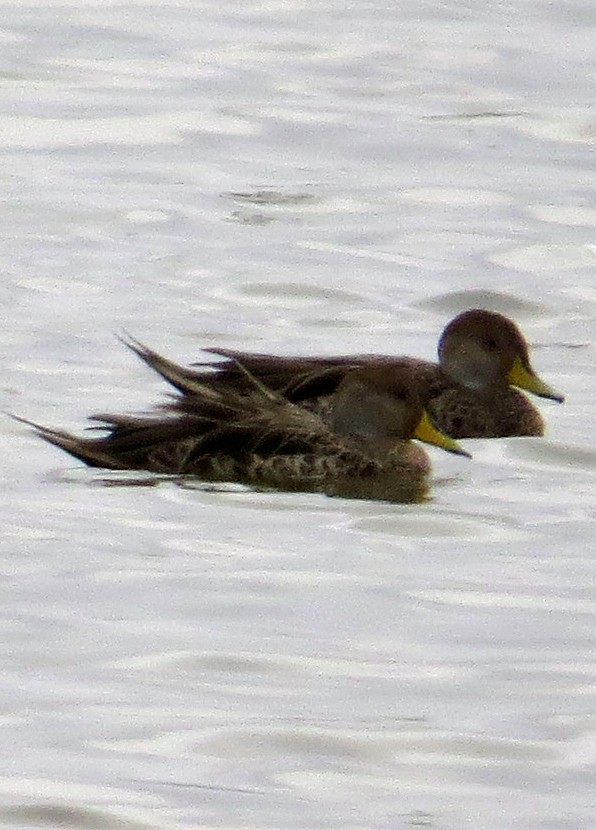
point(426, 431)
point(525, 378)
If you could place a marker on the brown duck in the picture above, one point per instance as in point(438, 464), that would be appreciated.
point(258, 437)
point(472, 392)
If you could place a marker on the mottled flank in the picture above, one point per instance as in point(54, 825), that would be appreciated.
point(362, 449)
point(471, 393)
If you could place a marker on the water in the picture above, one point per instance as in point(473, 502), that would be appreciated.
point(290, 177)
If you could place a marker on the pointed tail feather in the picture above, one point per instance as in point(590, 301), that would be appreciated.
point(183, 379)
point(84, 450)
point(191, 382)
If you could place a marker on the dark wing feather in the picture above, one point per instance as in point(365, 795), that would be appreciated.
point(183, 379)
point(284, 374)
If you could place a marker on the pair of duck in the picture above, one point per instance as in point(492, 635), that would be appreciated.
point(337, 425)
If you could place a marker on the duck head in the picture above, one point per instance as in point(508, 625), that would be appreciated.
point(483, 350)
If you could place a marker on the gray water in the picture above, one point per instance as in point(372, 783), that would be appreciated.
point(295, 177)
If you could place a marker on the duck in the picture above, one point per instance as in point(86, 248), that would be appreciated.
point(473, 391)
point(365, 449)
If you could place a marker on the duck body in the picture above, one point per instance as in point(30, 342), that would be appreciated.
point(457, 410)
point(260, 438)
point(472, 392)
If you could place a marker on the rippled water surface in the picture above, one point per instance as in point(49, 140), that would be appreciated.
point(314, 177)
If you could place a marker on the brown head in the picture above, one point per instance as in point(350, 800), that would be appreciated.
point(381, 405)
point(484, 350)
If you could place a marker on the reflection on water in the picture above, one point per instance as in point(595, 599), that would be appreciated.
point(316, 180)
point(510, 305)
point(272, 198)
